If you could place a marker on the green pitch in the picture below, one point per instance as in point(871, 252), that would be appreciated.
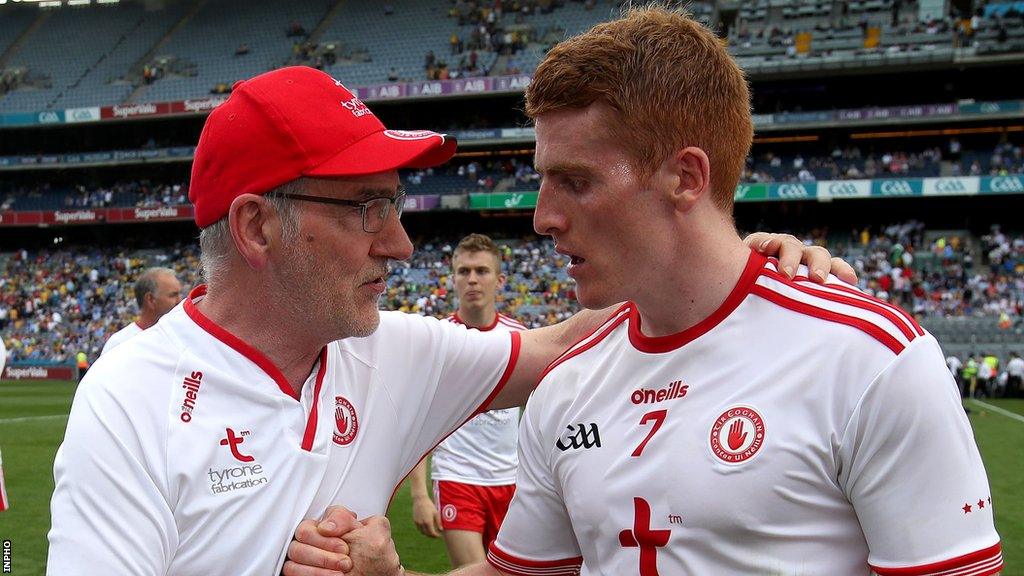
point(33, 417)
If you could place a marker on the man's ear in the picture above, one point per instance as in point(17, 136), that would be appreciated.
point(252, 223)
point(692, 168)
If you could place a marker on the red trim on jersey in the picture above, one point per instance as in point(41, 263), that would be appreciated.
point(310, 435)
point(980, 563)
point(522, 567)
point(810, 310)
point(609, 326)
point(488, 328)
point(236, 343)
point(900, 311)
point(511, 322)
point(513, 359)
point(661, 344)
point(819, 292)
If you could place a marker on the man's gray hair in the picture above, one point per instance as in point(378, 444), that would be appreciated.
point(215, 240)
point(147, 283)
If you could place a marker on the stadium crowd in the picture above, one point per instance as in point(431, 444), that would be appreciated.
point(499, 174)
point(57, 302)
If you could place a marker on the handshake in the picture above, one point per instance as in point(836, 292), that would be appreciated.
point(341, 544)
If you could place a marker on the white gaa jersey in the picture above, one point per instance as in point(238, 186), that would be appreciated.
point(120, 337)
point(209, 468)
point(799, 430)
point(483, 451)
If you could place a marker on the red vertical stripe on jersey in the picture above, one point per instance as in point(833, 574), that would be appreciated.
point(810, 310)
point(236, 343)
point(981, 563)
point(869, 306)
point(311, 422)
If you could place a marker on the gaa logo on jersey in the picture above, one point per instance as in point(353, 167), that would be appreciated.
point(346, 421)
point(737, 435)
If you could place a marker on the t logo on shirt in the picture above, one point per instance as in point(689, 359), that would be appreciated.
point(232, 442)
point(644, 538)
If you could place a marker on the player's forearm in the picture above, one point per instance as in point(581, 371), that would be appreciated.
point(418, 480)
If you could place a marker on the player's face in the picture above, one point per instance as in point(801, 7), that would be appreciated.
point(594, 204)
point(168, 293)
point(477, 279)
point(334, 272)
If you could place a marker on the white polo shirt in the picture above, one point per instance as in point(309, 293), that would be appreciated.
point(209, 467)
point(120, 337)
point(798, 430)
point(482, 451)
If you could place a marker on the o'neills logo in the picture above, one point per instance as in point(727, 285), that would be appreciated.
point(737, 434)
point(30, 372)
point(162, 212)
point(648, 396)
point(345, 420)
point(202, 105)
point(75, 216)
point(188, 403)
point(133, 110)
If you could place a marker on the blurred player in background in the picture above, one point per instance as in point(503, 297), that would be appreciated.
point(473, 470)
point(157, 292)
point(727, 419)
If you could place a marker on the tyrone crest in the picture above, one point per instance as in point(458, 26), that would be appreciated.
point(346, 421)
point(737, 435)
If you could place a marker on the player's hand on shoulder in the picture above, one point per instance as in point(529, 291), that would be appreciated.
point(426, 517)
point(318, 549)
point(791, 252)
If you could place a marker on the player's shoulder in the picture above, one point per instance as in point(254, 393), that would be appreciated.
point(145, 360)
point(510, 323)
point(835, 313)
point(564, 376)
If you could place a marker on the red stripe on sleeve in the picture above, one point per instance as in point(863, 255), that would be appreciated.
point(803, 308)
point(981, 563)
point(521, 567)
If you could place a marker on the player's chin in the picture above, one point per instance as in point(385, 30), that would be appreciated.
point(367, 323)
point(592, 297)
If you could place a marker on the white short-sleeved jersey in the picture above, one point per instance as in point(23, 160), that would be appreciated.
point(799, 430)
point(483, 451)
point(120, 337)
point(3, 356)
point(209, 467)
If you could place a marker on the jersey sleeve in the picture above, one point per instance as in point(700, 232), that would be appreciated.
point(911, 469)
point(108, 513)
point(441, 375)
point(536, 538)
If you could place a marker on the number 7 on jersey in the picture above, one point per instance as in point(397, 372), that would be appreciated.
point(658, 416)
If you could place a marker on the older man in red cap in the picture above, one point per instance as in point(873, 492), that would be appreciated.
point(277, 388)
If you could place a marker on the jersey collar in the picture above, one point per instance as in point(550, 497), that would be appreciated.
point(239, 345)
point(660, 344)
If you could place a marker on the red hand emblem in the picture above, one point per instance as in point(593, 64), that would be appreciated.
point(736, 435)
point(342, 420)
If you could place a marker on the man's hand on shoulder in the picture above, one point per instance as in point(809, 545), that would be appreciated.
point(791, 252)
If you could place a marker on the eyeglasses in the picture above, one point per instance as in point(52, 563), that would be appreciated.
point(374, 211)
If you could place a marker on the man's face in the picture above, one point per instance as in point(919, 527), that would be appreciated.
point(594, 204)
point(332, 273)
point(167, 295)
point(477, 279)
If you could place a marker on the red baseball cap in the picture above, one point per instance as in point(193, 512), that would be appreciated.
point(294, 122)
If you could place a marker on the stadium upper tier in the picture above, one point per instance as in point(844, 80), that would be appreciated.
point(968, 289)
point(142, 52)
point(516, 173)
